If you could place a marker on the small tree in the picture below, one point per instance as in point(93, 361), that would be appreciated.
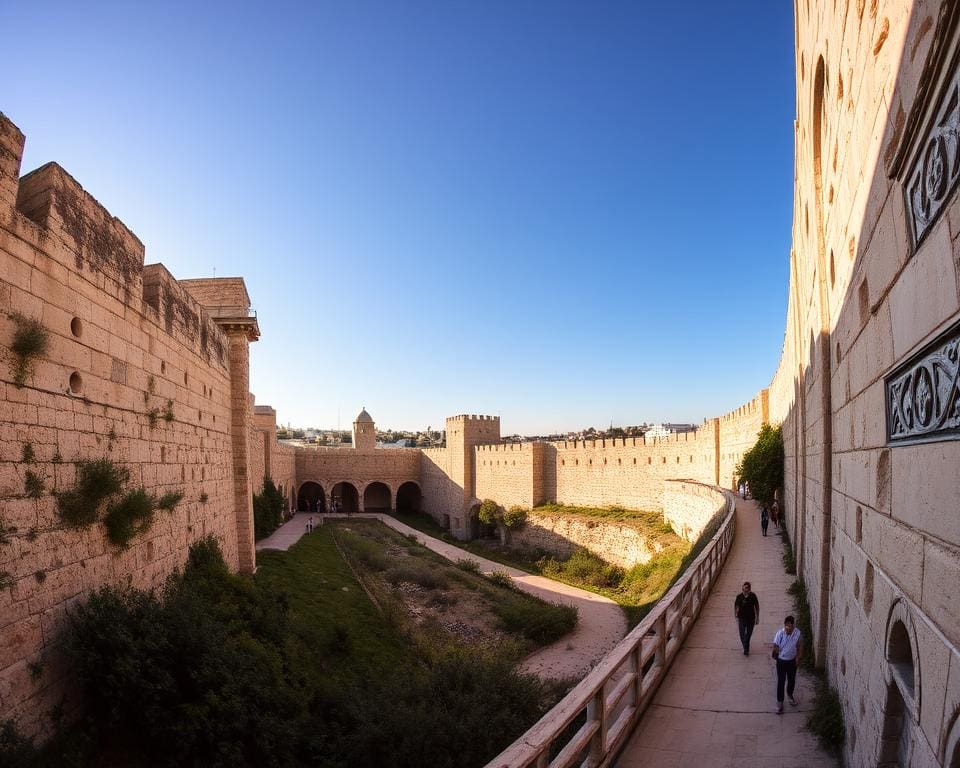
point(491, 513)
point(515, 517)
point(762, 466)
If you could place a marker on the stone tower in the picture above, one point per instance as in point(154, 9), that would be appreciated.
point(364, 432)
point(464, 433)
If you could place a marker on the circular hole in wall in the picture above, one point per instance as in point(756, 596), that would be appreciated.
point(76, 383)
point(76, 327)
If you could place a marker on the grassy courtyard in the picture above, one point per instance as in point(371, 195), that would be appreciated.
point(636, 589)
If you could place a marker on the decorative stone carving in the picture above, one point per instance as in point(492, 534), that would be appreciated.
point(923, 396)
point(936, 169)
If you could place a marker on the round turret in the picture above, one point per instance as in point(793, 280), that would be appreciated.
point(364, 432)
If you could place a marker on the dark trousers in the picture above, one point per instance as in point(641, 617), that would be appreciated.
point(786, 673)
point(763, 526)
point(746, 630)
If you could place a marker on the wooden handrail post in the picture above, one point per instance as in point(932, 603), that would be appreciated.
point(661, 652)
point(597, 711)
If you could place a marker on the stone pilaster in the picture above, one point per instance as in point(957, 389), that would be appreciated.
point(239, 355)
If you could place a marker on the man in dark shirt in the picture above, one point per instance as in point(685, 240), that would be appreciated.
point(747, 610)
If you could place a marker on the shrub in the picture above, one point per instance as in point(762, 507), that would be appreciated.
point(131, 515)
point(476, 706)
point(515, 517)
point(267, 510)
point(30, 341)
point(801, 607)
point(168, 412)
point(490, 512)
point(6, 580)
point(536, 620)
point(468, 565)
point(789, 561)
point(826, 719)
point(198, 675)
point(27, 456)
point(502, 579)
point(169, 500)
point(762, 466)
point(584, 567)
point(96, 481)
point(416, 573)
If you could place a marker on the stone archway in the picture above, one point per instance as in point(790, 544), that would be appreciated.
point(311, 498)
point(344, 498)
point(409, 497)
point(376, 498)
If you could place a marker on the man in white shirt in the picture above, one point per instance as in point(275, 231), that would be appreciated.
point(788, 651)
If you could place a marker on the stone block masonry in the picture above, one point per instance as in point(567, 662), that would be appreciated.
point(136, 371)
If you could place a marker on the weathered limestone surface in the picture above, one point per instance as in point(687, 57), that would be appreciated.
point(128, 345)
point(616, 542)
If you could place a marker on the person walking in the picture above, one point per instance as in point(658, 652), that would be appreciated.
point(764, 519)
point(788, 650)
point(775, 513)
point(746, 608)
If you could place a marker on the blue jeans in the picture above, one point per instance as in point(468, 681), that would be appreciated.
point(746, 630)
point(786, 672)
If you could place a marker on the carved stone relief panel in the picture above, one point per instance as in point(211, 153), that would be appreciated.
point(923, 394)
point(936, 169)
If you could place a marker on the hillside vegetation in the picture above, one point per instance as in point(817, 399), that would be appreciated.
point(299, 666)
point(635, 589)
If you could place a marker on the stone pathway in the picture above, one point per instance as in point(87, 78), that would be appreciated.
point(600, 626)
point(716, 706)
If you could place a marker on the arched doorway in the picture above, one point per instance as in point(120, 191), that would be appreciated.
point(473, 522)
point(311, 498)
point(376, 498)
point(344, 498)
point(408, 498)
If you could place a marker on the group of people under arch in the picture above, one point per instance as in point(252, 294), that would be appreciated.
point(344, 497)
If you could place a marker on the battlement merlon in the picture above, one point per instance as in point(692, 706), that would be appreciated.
point(56, 202)
point(11, 154)
point(463, 417)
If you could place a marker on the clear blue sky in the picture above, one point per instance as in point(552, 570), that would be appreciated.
point(565, 213)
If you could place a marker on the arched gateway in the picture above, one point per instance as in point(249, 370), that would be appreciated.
point(311, 498)
point(344, 498)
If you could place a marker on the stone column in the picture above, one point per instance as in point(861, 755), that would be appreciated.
point(239, 357)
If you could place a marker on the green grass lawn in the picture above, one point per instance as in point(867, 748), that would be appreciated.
point(331, 613)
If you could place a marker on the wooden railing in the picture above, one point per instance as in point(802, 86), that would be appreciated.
point(609, 701)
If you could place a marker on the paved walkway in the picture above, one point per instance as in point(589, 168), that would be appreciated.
point(716, 706)
point(600, 626)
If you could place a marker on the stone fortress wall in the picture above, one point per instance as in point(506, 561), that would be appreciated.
point(127, 344)
point(866, 388)
point(863, 390)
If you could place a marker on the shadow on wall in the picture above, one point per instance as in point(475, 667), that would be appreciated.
point(863, 298)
